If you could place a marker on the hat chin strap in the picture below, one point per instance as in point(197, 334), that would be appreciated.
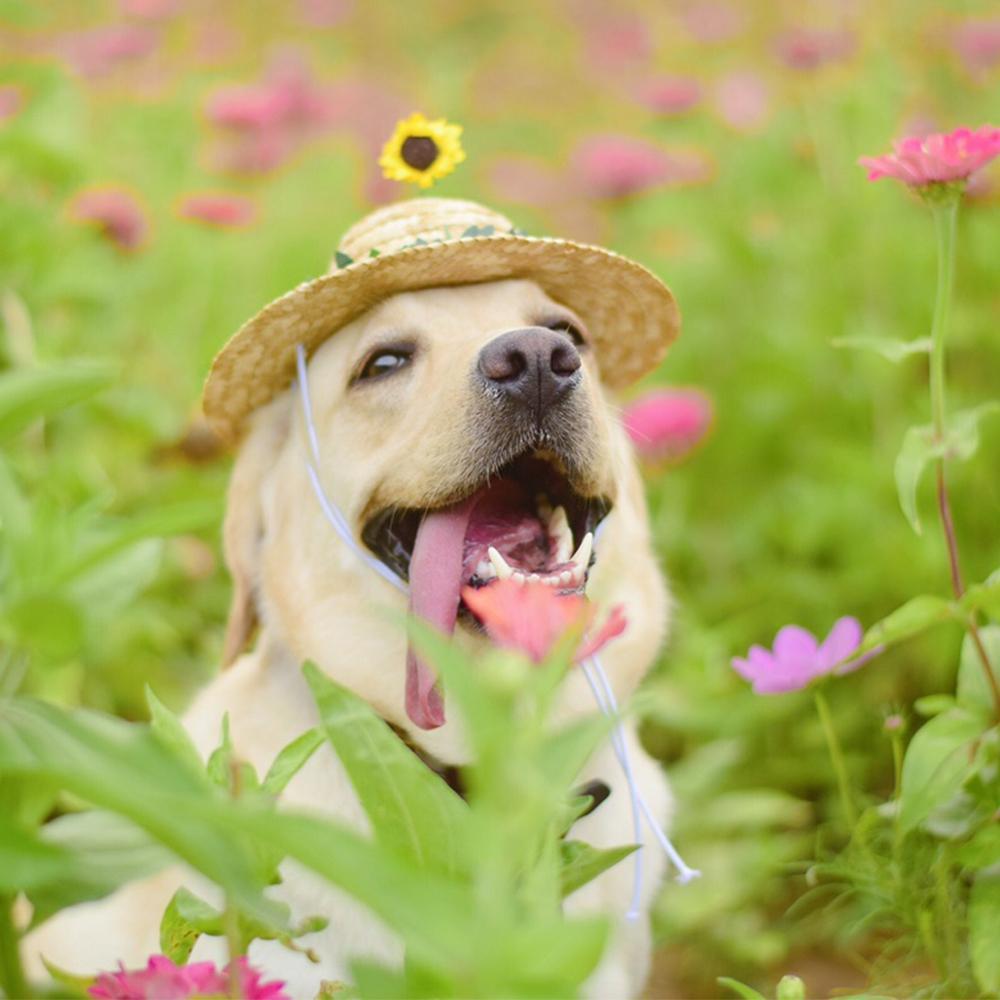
point(594, 673)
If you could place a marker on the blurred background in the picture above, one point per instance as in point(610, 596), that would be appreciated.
point(168, 166)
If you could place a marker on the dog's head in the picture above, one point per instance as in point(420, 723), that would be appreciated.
point(465, 435)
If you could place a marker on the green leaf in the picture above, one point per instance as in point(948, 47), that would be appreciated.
point(342, 259)
point(432, 912)
point(934, 704)
point(582, 863)
point(412, 810)
point(77, 985)
point(168, 729)
point(912, 618)
point(937, 761)
point(920, 446)
point(890, 349)
point(974, 690)
point(51, 624)
point(120, 766)
point(29, 393)
point(291, 760)
point(740, 989)
point(983, 850)
point(185, 919)
point(27, 861)
point(984, 921)
point(984, 597)
point(106, 851)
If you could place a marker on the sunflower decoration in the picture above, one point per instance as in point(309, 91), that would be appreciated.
point(421, 151)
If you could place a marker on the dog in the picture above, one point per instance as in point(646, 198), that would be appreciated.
point(489, 390)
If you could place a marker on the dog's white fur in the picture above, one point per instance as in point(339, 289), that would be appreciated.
point(398, 442)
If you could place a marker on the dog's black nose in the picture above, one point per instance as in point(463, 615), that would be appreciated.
point(533, 367)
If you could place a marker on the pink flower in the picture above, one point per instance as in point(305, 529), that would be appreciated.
point(324, 13)
point(977, 42)
point(116, 213)
point(743, 100)
point(99, 51)
point(11, 101)
point(938, 158)
point(531, 618)
point(798, 659)
point(810, 48)
point(670, 95)
point(614, 166)
point(218, 209)
point(714, 21)
point(668, 423)
point(267, 121)
point(163, 980)
point(618, 42)
point(153, 10)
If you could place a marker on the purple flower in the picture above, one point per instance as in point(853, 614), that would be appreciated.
point(798, 658)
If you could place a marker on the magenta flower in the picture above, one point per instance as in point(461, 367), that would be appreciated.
point(670, 95)
point(939, 158)
point(163, 980)
point(614, 166)
point(218, 209)
point(977, 42)
point(810, 48)
point(742, 99)
point(711, 21)
point(666, 424)
point(531, 618)
point(115, 212)
point(11, 101)
point(798, 659)
point(99, 51)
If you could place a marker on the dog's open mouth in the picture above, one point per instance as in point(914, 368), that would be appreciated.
point(526, 523)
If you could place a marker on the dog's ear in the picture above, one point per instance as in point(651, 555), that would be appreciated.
point(243, 529)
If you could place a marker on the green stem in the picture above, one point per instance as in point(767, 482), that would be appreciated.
point(837, 756)
point(12, 979)
point(945, 212)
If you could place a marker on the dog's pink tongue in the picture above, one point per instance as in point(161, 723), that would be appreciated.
point(435, 586)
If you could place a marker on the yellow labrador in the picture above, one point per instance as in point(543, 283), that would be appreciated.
point(465, 434)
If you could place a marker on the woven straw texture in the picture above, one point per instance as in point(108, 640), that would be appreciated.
point(630, 313)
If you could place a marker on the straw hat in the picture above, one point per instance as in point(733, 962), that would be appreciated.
point(427, 243)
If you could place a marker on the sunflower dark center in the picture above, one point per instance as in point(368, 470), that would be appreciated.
point(419, 151)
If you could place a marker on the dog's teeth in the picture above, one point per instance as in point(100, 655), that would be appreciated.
point(560, 532)
point(582, 555)
point(543, 506)
point(565, 578)
point(503, 571)
point(519, 578)
point(576, 573)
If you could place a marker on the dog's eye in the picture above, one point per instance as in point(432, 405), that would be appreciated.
point(384, 362)
point(567, 326)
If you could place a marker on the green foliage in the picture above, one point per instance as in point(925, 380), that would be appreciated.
point(110, 574)
point(921, 446)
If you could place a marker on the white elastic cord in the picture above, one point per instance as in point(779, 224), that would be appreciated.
point(685, 873)
point(600, 687)
point(330, 509)
point(618, 744)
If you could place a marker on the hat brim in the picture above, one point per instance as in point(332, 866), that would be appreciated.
point(631, 315)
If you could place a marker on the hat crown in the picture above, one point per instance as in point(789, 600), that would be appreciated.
point(416, 221)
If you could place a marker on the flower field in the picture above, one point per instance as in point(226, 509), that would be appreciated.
point(820, 449)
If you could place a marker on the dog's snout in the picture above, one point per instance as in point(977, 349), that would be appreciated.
point(534, 367)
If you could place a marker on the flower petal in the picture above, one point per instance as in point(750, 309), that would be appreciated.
point(844, 638)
